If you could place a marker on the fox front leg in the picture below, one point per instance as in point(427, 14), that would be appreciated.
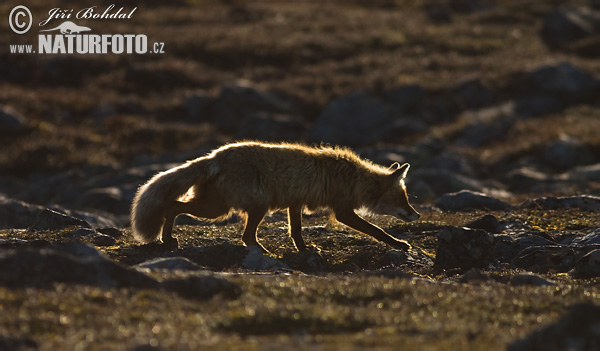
point(352, 220)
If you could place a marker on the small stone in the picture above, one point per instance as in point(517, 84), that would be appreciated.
point(168, 263)
point(256, 260)
point(488, 222)
point(588, 266)
point(530, 279)
point(473, 276)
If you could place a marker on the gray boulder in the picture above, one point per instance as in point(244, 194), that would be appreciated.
point(487, 222)
point(74, 263)
point(563, 81)
point(577, 330)
point(257, 261)
point(567, 153)
point(405, 99)
point(566, 25)
point(463, 249)
point(356, 119)
point(588, 266)
point(168, 263)
point(468, 200)
point(11, 122)
point(444, 181)
point(582, 202)
point(530, 279)
point(238, 101)
point(271, 127)
point(473, 93)
point(198, 106)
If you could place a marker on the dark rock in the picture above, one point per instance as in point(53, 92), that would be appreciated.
point(586, 47)
point(529, 279)
point(465, 199)
point(109, 199)
point(270, 127)
point(443, 182)
point(216, 257)
point(448, 162)
point(100, 239)
point(542, 259)
point(15, 243)
point(169, 263)
point(567, 24)
point(11, 123)
point(481, 132)
point(563, 81)
point(577, 330)
point(582, 202)
point(17, 214)
point(537, 105)
point(567, 153)
point(406, 99)
point(237, 101)
point(405, 127)
point(525, 178)
point(472, 93)
point(356, 119)
point(198, 106)
point(473, 276)
point(73, 264)
point(114, 232)
point(201, 286)
point(307, 261)
point(583, 173)
point(49, 220)
point(592, 238)
point(404, 258)
point(488, 222)
point(94, 219)
point(463, 249)
point(588, 266)
point(528, 241)
point(21, 344)
point(257, 261)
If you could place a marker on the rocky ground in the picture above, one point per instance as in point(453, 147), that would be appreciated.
point(494, 104)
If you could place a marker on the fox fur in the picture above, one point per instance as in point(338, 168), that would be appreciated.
point(253, 178)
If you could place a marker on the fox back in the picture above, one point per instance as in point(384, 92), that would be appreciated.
point(282, 175)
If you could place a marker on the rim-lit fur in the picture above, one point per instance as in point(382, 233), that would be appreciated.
point(254, 177)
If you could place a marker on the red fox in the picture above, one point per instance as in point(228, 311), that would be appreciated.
point(253, 178)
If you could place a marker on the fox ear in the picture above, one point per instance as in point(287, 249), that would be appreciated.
point(400, 171)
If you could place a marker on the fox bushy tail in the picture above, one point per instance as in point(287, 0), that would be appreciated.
point(154, 198)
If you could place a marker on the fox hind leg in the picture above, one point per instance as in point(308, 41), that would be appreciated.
point(295, 224)
point(200, 207)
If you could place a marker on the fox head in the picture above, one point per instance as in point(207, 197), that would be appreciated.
point(394, 201)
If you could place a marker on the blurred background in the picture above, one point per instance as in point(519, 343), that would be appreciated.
point(499, 97)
